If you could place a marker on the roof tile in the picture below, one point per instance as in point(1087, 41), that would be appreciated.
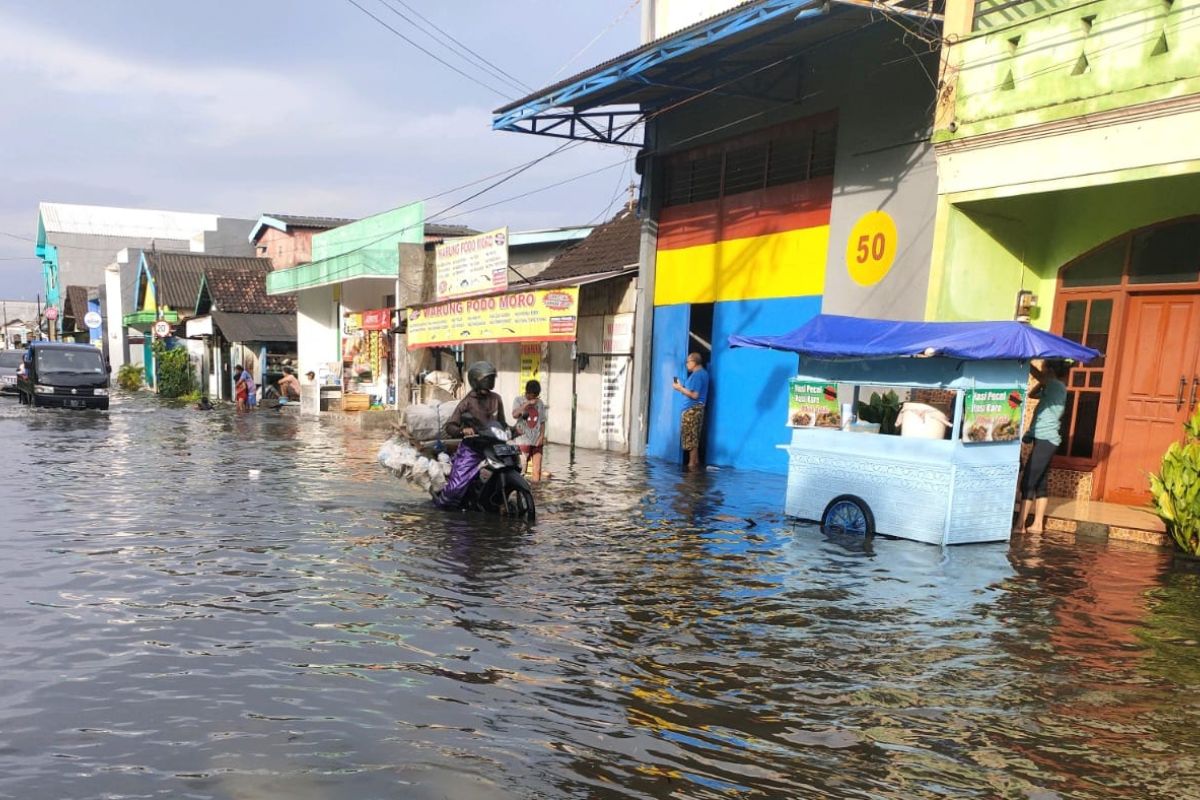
point(244, 291)
point(612, 246)
point(177, 275)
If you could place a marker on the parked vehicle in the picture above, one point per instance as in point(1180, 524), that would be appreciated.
point(497, 486)
point(10, 364)
point(64, 375)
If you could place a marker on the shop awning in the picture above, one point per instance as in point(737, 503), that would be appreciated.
point(707, 57)
point(832, 337)
point(256, 327)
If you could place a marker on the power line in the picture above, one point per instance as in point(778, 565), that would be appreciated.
point(596, 38)
point(428, 52)
point(466, 52)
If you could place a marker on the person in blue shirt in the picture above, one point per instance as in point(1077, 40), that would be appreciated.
point(1045, 434)
point(695, 393)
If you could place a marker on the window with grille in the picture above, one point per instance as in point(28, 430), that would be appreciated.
point(784, 154)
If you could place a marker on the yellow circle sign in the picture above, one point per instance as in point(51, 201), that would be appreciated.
point(871, 248)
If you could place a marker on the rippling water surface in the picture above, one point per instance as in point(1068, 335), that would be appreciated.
point(173, 628)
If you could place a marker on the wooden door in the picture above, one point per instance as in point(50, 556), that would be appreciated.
point(1157, 370)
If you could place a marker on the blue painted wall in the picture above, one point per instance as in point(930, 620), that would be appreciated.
point(748, 408)
point(747, 405)
point(669, 354)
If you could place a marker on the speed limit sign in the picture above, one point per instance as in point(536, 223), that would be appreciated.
point(162, 329)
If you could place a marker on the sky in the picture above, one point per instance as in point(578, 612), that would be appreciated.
point(244, 107)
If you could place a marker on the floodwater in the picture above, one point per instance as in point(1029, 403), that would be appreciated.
point(174, 627)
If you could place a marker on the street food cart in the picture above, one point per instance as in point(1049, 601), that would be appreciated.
point(947, 478)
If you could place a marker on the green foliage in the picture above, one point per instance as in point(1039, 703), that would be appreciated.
point(130, 377)
point(1176, 489)
point(191, 397)
point(883, 410)
point(174, 371)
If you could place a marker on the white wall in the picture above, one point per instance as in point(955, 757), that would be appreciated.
point(114, 328)
point(668, 16)
point(316, 328)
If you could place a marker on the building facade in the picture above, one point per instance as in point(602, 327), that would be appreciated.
point(286, 239)
point(1070, 182)
point(786, 170)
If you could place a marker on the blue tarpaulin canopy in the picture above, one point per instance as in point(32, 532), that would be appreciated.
point(831, 337)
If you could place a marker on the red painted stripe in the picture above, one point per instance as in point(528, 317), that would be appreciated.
point(741, 216)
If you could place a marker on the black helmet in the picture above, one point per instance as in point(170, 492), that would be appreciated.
point(482, 376)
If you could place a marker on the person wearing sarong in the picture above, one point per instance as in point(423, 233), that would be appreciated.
point(695, 396)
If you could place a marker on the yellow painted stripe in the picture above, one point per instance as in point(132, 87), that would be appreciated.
point(788, 264)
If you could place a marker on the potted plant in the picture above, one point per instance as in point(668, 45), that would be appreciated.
point(1176, 489)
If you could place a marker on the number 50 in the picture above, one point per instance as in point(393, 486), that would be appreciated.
point(872, 247)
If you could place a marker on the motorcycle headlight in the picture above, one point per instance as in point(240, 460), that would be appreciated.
point(100, 392)
point(495, 464)
point(43, 389)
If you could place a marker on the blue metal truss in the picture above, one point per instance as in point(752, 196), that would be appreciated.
point(530, 116)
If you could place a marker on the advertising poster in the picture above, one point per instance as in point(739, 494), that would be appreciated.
point(541, 315)
point(531, 363)
point(472, 265)
point(992, 415)
point(618, 339)
point(813, 405)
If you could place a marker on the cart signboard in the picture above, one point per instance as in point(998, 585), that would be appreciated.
point(813, 404)
point(992, 415)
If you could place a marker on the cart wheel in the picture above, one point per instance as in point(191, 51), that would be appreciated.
point(848, 514)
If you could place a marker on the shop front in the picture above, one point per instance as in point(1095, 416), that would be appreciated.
point(792, 176)
point(1069, 194)
point(575, 340)
point(346, 309)
point(368, 373)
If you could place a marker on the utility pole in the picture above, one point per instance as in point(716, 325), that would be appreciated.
point(4, 310)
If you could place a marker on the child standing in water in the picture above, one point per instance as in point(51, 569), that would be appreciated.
point(530, 414)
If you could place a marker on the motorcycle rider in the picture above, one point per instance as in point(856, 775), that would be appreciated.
point(479, 407)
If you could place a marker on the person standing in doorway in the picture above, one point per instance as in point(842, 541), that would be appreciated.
point(530, 414)
point(695, 393)
point(1045, 434)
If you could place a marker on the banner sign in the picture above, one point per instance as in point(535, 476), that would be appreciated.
point(618, 338)
point(379, 319)
point(472, 265)
point(531, 364)
point(813, 405)
point(992, 415)
point(538, 315)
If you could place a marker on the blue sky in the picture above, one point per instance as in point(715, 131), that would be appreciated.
point(300, 106)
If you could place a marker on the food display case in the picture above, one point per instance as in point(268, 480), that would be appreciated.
point(944, 478)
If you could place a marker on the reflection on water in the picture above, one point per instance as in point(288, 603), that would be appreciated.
point(176, 627)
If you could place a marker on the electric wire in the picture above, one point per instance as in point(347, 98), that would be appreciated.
point(466, 52)
point(596, 38)
point(428, 52)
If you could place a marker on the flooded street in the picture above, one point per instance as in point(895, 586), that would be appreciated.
point(178, 626)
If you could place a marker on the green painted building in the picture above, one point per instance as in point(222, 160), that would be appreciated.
point(1069, 181)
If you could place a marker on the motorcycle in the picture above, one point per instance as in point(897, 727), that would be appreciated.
point(496, 484)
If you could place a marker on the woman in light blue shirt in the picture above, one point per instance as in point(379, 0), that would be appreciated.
point(1045, 433)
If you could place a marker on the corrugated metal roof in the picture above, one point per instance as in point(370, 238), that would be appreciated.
point(177, 276)
point(129, 222)
point(75, 306)
point(305, 221)
point(629, 55)
point(256, 327)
